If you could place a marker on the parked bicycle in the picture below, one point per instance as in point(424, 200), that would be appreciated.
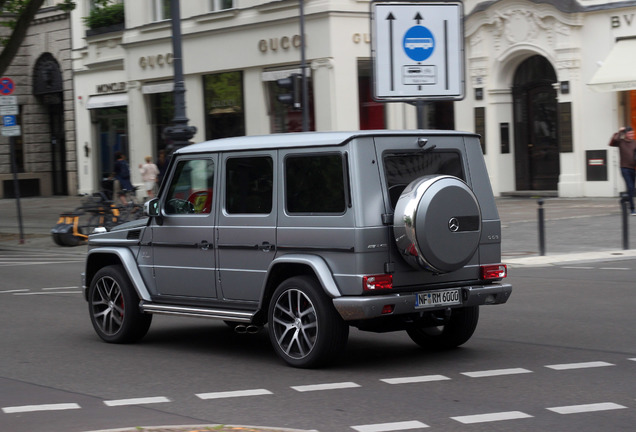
point(97, 210)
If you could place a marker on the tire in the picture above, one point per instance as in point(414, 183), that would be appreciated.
point(113, 306)
point(460, 327)
point(304, 327)
point(57, 239)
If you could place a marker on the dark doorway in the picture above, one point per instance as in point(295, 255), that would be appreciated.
point(537, 164)
point(48, 88)
point(58, 149)
point(112, 130)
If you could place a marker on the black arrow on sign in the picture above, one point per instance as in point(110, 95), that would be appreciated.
point(391, 18)
point(418, 18)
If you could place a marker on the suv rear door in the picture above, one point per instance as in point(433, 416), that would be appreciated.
point(246, 236)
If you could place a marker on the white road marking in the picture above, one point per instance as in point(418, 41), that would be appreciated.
point(567, 366)
point(576, 409)
point(318, 387)
point(496, 372)
point(137, 401)
point(44, 407)
point(484, 418)
point(615, 268)
point(47, 293)
point(14, 291)
point(578, 267)
point(231, 394)
point(415, 379)
point(387, 427)
point(60, 288)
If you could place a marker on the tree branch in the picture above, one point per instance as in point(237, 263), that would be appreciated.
point(19, 33)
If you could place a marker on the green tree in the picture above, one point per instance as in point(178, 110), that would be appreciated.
point(18, 15)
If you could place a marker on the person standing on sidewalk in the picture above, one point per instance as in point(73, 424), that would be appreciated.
point(624, 140)
point(149, 173)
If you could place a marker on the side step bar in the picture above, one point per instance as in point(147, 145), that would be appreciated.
point(196, 312)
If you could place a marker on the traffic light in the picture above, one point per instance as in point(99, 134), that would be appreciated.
point(293, 85)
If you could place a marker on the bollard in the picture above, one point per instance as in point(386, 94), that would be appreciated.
point(540, 217)
point(625, 216)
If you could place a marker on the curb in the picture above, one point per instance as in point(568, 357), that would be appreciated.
point(571, 258)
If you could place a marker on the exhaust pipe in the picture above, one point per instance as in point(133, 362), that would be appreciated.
point(250, 329)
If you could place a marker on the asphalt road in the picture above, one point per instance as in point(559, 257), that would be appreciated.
point(560, 355)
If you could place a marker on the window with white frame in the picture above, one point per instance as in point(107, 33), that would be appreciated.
point(217, 5)
point(161, 9)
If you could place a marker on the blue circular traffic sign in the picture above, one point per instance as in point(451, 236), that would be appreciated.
point(418, 43)
point(6, 86)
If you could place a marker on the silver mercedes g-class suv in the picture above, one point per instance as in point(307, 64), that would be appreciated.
point(308, 234)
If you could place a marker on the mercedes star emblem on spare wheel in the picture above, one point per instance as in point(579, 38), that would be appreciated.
point(453, 224)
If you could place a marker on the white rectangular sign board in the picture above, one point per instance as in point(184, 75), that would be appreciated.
point(8, 100)
point(418, 50)
point(11, 131)
point(9, 110)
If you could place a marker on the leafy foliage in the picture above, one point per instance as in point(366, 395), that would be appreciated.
point(105, 14)
point(17, 15)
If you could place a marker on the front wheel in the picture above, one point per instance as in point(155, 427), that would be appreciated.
point(304, 327)
point(458, 329)
point(113, 306)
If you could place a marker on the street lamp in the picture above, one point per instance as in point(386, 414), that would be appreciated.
point(179, 133)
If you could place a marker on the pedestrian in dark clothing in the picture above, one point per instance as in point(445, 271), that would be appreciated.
point(122, 174)
point(624, 140)
point(162, 164)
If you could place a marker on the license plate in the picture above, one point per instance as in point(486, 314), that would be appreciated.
point(438, 298)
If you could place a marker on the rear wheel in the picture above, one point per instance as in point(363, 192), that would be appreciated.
point(304, 327)
point(460, 327)
point(113, 306)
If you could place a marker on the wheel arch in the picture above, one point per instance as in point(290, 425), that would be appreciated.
point(288, 266)
point(100, 258)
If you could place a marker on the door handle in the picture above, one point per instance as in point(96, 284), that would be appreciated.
point(266, 247)
point(204, 245)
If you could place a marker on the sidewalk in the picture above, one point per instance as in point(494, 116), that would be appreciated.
point(576, 229)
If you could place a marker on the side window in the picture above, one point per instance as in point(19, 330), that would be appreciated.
point(190, 190)
point(315, 184)
point(249, 185)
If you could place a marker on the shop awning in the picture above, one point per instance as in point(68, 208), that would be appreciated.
point(618, 71)
point(107, 101)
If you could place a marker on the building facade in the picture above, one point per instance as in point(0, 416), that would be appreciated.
point(530, 67)
point(44, 151)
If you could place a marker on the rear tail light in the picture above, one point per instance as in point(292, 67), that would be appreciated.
point(494, 271)
point(377, 282)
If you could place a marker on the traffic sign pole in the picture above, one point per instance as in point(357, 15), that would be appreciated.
point(9, 110)
point(16, 187)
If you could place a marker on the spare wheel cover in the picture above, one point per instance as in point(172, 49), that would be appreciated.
point(437, 223)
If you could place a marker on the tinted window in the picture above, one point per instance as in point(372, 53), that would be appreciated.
point(248, 185)
point(190, 190)
point(315, 184)
point(401, 169)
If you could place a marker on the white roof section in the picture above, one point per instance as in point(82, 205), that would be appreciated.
point(304, 139)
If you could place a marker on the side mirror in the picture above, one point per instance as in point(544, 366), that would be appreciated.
point(151, 207)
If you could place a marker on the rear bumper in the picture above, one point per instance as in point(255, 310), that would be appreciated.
point(360, 308)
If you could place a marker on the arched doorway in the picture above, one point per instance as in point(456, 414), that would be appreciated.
point(48, 88)
point(536, 125)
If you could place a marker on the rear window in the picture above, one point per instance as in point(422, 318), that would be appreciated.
point(402, 168)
